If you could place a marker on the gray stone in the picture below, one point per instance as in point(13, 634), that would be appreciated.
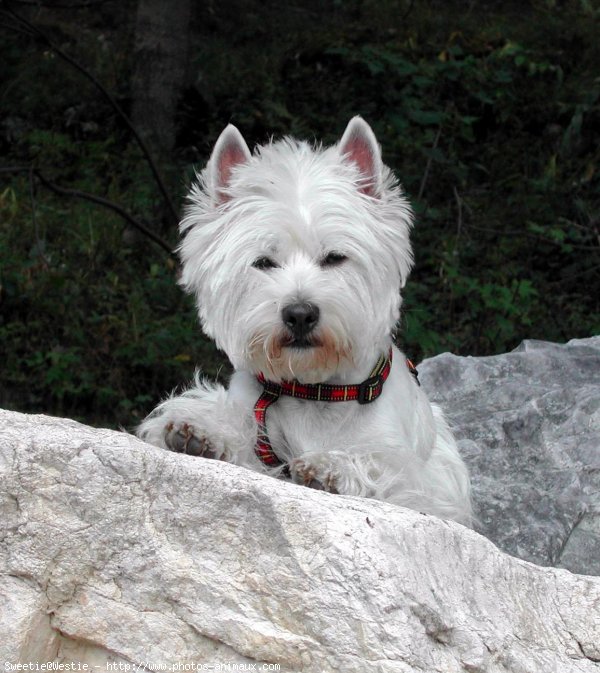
point(113, 551)
point(528, 424)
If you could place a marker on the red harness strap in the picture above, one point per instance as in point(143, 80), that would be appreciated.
point(263, 448)
point(363, 393)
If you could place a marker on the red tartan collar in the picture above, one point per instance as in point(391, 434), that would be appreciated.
point(367, 391)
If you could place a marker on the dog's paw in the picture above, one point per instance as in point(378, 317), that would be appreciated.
point(183, 439)
point(308, 475)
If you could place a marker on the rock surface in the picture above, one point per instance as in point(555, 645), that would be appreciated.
point(114, 551)
point(529, 428)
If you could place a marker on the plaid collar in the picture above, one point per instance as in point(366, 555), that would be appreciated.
point(363, 393)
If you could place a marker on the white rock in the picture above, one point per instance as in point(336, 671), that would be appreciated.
point(114, 551)
point(528, 425)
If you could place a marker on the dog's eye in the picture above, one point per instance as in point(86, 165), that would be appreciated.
point(264, 263)
point(333, 259)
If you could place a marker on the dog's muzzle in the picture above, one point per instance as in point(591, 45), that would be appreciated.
point(300, 319)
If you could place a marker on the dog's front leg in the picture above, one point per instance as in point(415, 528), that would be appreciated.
point(203, 421)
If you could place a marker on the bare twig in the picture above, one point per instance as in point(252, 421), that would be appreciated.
point(50, 4)
point(459, 216)
point(428, 165)
point(14, 28)
point(40, 245)
point(595, 269)
point(459, 221)
point(107, 95)
point(93, 198)
point(409, 9)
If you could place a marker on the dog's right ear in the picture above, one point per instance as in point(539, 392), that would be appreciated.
point(230, 151)
point(359, 145)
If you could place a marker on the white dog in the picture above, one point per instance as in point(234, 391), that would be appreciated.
point(296, 256)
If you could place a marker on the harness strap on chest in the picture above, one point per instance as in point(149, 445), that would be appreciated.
point(263, 448)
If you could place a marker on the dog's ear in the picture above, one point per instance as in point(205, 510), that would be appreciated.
point(230, 151)
point(359, 145)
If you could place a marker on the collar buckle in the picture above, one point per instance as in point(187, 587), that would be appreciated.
point(367, 390)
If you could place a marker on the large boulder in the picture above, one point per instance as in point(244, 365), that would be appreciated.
point(528, 424)
point(114, 551)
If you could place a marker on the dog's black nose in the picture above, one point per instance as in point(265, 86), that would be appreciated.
point(301, 319)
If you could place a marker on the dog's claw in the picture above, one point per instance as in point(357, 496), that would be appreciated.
point(330, 484)
point(314, 483)
point(184, 441)
point(306, 475)
point(319, 486)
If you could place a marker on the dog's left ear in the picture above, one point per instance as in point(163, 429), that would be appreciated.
point(230, 151)
point(359, 145)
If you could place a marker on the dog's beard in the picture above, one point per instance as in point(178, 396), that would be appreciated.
point(318, 358)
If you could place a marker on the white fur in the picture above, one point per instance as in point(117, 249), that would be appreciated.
point(294, 204)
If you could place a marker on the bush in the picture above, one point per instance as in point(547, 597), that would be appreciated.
point(490, 116)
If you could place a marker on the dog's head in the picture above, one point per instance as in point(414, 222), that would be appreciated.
point(296, 254)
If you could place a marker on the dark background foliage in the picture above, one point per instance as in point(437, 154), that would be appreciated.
point(489, 112)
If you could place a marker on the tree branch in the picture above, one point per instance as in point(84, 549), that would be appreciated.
point(99, 200)
point(107, 95)
point(407, 12)
point(50, 4)
point(428, 165)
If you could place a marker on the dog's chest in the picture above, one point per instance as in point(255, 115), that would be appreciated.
point(302, 426)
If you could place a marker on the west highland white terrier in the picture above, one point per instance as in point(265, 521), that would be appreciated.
point(296, 255)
